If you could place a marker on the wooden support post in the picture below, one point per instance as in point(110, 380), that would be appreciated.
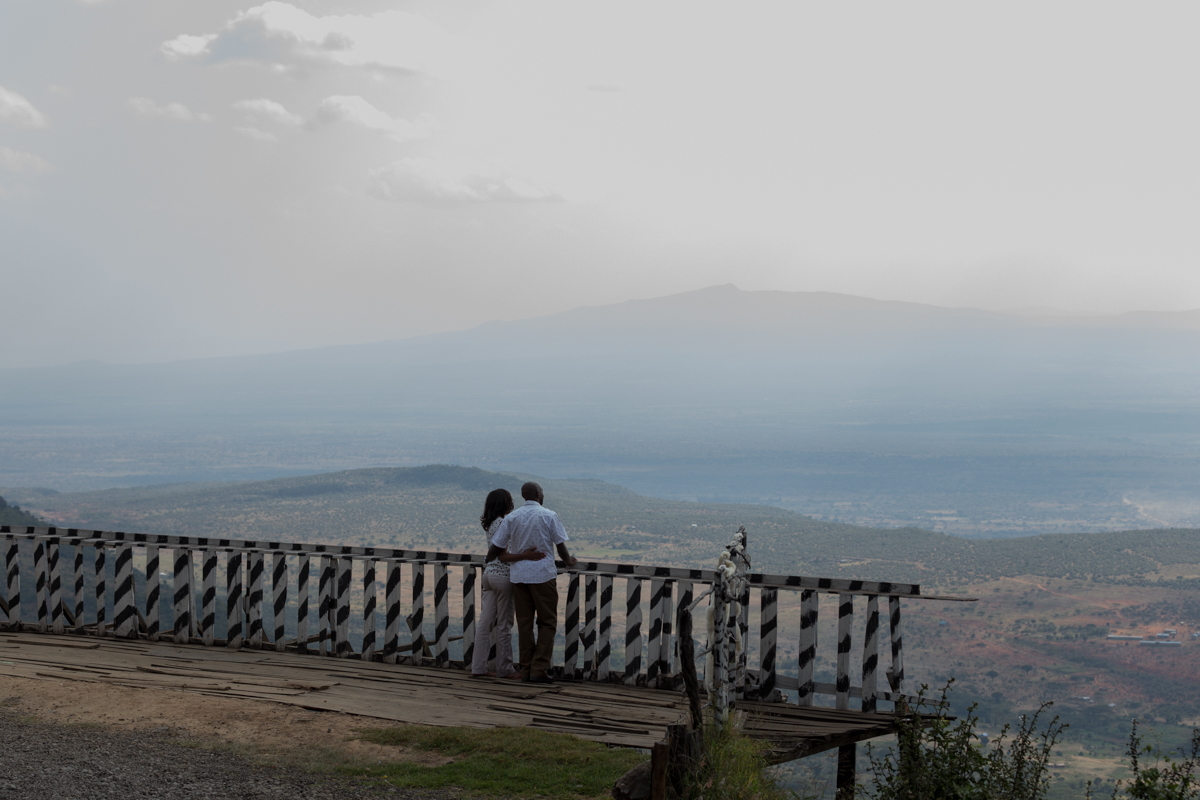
point(39, 583)
point(571, 629)
point(687, 666)
point(153, 590)
point(589, 628)
point(416, 618)
point(234, 627)
point(12, 566)
point(767, 633)
point(101, 590)
point(659, 758)
point(685, 600)
point(254, 626)
point(654, 634)
point(870, 662)
point(208, 596)
point(369, 602)
point(391, 643)
point(896, 674)
point(56, 604)
point(846, 772)
point(441, 616)
point(468, 615)
point(303, 593)
point(279, 592)
point(807, 657)
point(345, 569)
point(604, 646)
point(124, 609)
point(633, 630)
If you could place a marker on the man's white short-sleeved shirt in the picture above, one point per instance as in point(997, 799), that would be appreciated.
point(531, 525)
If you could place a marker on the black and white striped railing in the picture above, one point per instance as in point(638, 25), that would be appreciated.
point(237, 577)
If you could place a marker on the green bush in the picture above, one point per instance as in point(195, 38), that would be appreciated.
point(1166, 780)
point(733, 766)
point(942, 760)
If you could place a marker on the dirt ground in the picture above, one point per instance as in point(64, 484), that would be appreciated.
point(261, 728)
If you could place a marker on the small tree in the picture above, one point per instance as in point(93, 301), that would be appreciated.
point(1166, 780)
point(940, 760)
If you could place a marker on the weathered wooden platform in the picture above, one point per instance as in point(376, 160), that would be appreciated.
point(616, 714)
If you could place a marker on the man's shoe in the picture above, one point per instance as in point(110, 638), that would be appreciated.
point(541, 679)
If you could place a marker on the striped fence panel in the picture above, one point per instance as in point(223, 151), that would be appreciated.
point(369, 601)
point(302, 597)
point(328, 636)
point(279, 591)
point(39, 584)
point(633, 630)
point(441, 616)
point(98, 570)
point(416, 619)
point(254, 601)
point(767, 634)
point(56, 600)
point(589, 628)
point(80, 597)
point(468, 615)
point(182, 594)
point(870, 662)
point(807, 655)
point(896, 673)
point(124, 609)
point(666, 649)
point(234, 601)
point(845, 617)
point(345, 569)
point(604, 645)
point(391, 634)
point(655, 631)
point(208, 596)
point(571, 629)
point(153, 589)
point(12, 569)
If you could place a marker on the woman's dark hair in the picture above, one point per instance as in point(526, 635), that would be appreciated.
point(499, 502)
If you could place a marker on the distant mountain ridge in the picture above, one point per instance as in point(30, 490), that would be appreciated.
point(438, 507)
point(873, 412)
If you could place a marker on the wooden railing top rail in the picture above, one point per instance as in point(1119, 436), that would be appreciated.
point(613, 569)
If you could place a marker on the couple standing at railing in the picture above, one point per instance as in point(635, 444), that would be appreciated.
point(520, 576)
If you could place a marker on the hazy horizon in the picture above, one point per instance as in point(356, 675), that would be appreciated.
point(198, 180)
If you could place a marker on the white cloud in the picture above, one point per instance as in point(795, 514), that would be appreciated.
point(16, 161)
point(15, 108)
point(176, 112)
point(187, 46)
point(282, 35)
point(422, 180)
point(355, 110)
point(269, 110)
point(257, 135)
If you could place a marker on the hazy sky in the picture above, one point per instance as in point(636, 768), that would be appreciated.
point(211, 177)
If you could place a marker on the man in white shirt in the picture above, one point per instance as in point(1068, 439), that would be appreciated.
point(533, 527)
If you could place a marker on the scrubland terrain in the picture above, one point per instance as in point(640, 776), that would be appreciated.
point(1035, 634)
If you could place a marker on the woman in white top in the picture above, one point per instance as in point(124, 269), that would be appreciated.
point(497, 596)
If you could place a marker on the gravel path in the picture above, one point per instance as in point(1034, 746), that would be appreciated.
point(41, 761)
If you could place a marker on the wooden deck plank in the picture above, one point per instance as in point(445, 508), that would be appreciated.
point(628, 716)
